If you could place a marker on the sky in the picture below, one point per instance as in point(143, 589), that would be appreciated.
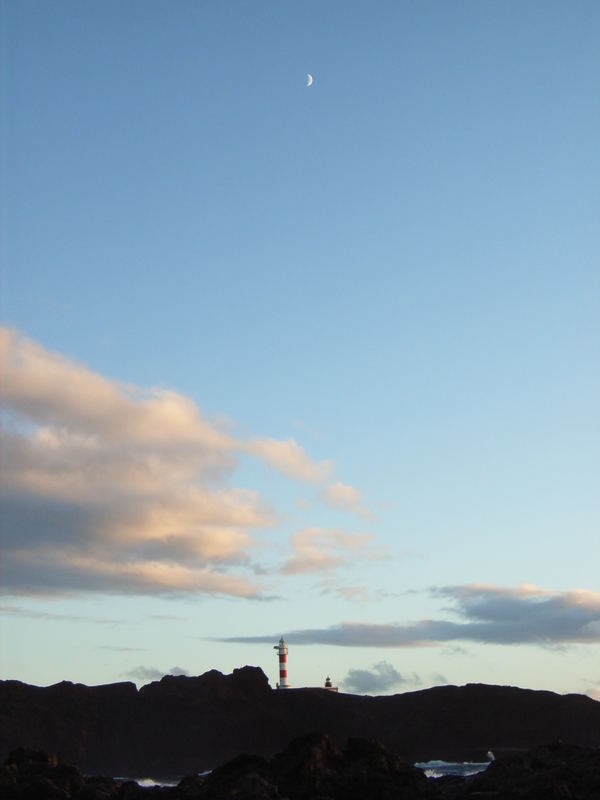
point(314, 361)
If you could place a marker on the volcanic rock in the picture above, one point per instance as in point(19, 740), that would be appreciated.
point(314, 768)
point(555, 771)
point(181, 725)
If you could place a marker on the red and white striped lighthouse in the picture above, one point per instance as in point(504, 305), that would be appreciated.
point(282, 650)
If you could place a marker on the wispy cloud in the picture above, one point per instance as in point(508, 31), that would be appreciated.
point(107, 486)
point(487, 614)
point(347, 498)
point(323, 549)
point(30, 613)
point(455, 650)
point(357, 593)
point(380, 678)
point(289, 458)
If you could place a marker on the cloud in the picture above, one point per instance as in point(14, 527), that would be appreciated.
point(18, 611)
point(356, 593)
point(110, 487)
point(455, 650)
point(345, 497)
point(289, 458)
point(323, 549)
point(145, 674)
point(487, 614)
point(52, 547)
point(88, 409)
point(592, 688)
point(381, 677)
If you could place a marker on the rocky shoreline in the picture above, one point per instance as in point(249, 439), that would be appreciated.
point(313, 768)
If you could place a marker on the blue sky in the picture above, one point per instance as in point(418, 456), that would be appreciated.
point(315, 361)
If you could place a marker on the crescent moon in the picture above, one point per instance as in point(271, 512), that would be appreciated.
point(309, 79)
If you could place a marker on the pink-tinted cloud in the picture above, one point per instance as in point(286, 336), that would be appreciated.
point(322, 549)
point(289, 458)
point(346, 498)
point(107, 486)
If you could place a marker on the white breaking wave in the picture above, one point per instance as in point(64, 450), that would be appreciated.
point(437, 769)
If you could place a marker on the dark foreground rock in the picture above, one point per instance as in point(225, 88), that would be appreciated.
point(180, 725)
point(551, 772)
point(310, 768)
point(29, 774)
point(313, 768)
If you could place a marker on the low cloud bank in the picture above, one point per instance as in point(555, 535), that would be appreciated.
point(380, 678)
point(146, 674)
point(486, 614)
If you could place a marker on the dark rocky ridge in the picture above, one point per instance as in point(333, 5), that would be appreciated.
point(181, 725)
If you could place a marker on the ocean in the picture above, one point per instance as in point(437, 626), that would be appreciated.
point(437, 769)
point(150, 782)
point(432, 769)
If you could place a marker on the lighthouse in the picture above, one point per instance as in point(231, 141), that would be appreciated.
point(282, 651)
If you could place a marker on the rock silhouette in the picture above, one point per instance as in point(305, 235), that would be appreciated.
point(182, 725)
